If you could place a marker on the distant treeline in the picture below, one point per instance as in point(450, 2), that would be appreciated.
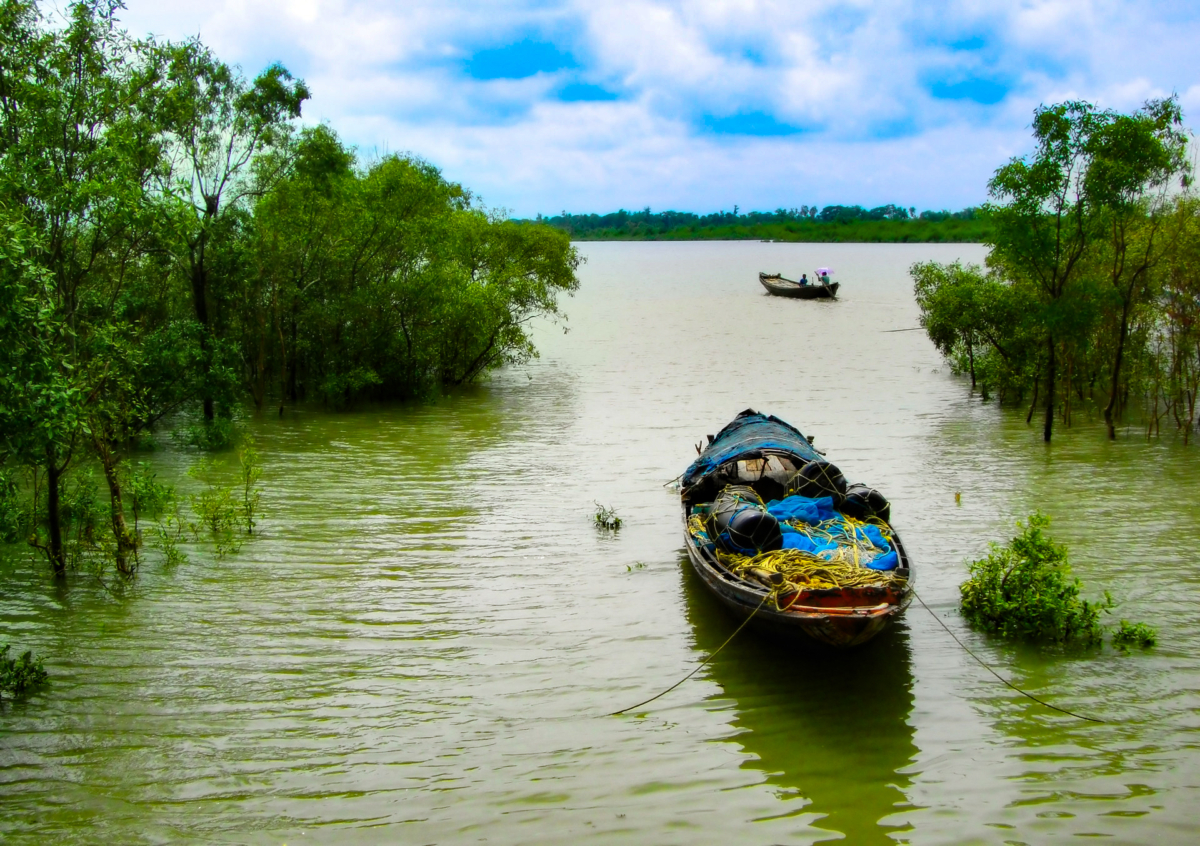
point(806, 223)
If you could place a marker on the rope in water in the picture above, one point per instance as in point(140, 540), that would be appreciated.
point(698, 666)
point(983, 664)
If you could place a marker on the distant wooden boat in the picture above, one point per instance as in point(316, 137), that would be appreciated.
point(758, 452)
point(781, 287)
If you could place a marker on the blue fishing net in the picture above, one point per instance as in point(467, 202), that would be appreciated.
point(827, 527)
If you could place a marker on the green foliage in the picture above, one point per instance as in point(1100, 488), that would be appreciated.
point(208, 435)
point(170, 239)
point(606, 518)
point(218, 512)
point(387, 282)
point(250, 471)
point(18, 675)
point(984, 326)
point(1134, 634)
point(15, 518)
point(81, 505)
point(148, 496)
point(1077, 230)
point(1024, 590)
point(168, 534)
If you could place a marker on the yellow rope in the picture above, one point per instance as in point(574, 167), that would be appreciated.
point(803, 570)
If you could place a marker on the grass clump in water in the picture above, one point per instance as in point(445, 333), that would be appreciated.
point(1024, 590)
point(606, 518)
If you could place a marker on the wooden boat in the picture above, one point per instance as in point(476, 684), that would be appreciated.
point(758, 451)
point(781, 287)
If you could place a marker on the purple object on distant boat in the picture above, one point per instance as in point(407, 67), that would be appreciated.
point(826, 271)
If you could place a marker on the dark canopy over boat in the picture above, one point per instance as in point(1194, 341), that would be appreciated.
point(774, 531)
point(781, 287)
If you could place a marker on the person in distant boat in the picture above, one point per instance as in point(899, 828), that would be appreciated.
point(824, 277)
point(803, 278)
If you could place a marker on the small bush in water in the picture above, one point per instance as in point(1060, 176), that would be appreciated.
point(606, 518)
point(19, 674)
point(1024, 590)
point(1134, 634)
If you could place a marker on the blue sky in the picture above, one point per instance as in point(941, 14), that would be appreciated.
point(544, 106)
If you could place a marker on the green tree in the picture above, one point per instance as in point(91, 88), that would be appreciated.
point(1178, 326)
point(1043, 221)
point(387, 282)
point(40, 398)
point(981, 324)
point(1135, 161)
point(217, 124)
point(1077, 222)
point(78, 146)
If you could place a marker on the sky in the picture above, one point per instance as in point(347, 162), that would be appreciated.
point(546, 106)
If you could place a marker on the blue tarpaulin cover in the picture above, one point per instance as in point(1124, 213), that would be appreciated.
point(748, 436)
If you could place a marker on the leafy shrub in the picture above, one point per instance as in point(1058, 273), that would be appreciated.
point(1134, 634)
point(147, 495)
point(168, 534)
point(81, 507)
point(606, 518)
point(207, 435)
point(20, 674)
point(1024, 590)
point(218, 512)
point(250, 472)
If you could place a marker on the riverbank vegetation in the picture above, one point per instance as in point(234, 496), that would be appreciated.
point(173, 244)
point(1091, 292)
point(831, 224)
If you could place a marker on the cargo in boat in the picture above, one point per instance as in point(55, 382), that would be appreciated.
point(773, 529)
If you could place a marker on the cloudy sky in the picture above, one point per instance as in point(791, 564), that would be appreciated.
point(551, 105)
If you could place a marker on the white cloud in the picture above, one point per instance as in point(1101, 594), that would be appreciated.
point(859, 77)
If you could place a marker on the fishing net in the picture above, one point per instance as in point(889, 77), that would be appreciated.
point(822, 548)
point(805, 571)
point(740, 522)
point(817, 479)
point(865, 503)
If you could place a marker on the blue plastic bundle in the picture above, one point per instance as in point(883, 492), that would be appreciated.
point(804, 509)
point(820, 512)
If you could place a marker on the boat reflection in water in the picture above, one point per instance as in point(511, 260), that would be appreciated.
point(827, 727)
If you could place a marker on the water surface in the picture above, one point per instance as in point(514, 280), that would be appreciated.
point(421, 644)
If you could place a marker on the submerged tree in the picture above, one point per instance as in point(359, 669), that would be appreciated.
point(162, 226)
point(217, 125)
point(387, 282)
point(78, 149)
point(1077, 230)
point(981, 324)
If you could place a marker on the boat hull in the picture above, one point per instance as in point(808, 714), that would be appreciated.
point(781, 287)
point(835, 618)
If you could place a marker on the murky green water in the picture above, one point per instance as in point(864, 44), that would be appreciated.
point(422, 644)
